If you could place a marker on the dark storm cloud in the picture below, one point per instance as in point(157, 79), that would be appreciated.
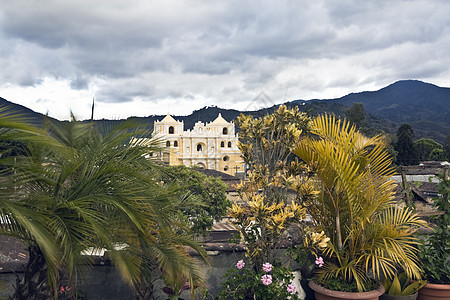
point(192, 49)
point(125, 91)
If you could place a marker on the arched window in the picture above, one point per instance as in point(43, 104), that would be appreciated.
point(171, 130)
point(225, 168)
point(168, 144)
point(225, 130)
point(222, 144)
point(199, 147)
point(226, 158)
point(175, 143)
point(229, 144)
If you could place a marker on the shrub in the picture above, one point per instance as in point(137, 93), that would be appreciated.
point(271, 282)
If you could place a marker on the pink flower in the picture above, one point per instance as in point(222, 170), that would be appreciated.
point(319, 261)
point(240, 264)
point(291, 288)
point(266, 279)
point(267, 267)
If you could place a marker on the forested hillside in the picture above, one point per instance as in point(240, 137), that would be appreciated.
point(426, 107)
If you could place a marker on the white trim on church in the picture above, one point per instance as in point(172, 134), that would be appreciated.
point(213, 145)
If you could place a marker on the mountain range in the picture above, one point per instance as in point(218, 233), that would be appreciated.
point(426, 107)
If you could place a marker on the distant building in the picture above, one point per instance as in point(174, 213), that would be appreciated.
point(212, 145)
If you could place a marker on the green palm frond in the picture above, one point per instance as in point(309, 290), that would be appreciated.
point(77, 189)
point(355, 208)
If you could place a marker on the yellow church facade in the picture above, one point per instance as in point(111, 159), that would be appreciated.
point(212, 145)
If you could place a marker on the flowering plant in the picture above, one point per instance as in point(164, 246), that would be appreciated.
point(271, 282)
point(308, 254)
point(65, 292)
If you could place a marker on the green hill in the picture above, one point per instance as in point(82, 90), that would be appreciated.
point(426, 107)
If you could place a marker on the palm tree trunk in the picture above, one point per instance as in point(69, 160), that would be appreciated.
point(33, 285)
point(338, 231)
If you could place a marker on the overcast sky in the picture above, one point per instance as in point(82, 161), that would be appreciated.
point(139, 58)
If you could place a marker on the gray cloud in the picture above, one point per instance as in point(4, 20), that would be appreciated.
point(225, 50)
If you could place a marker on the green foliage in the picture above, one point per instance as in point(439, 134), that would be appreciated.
point(11, 148)
point(369, 234)
point(246, 284)
point(435, 249)
point(261, 226)
point(424, 147)
point(437, 155)
point(447, 147)
point(339, 284)
point(266, 142)
point(76, 190)
point(402, 285)
point(273, 189)
point(406, 152)
point(356, 115)
point(311, 248)
point(203, 198)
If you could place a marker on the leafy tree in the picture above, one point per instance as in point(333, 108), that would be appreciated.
point(424, 147)
point(203, 198)
point(435, 248)
point(11, 148)
point(369, 234)
point(78, 190)
point(447, 147)
point(356, 114)
point(266, 145)
point(437, 155)
point(406, 152)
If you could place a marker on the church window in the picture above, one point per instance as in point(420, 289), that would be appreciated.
point(225, 168)
point(225, 130)
point(222, 144)
point(199, 147)
point(171, 130)
point(175, 143)
point(226, 158)
point(229, 144)
point(168, 144)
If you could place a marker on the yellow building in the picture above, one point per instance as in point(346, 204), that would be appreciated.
point(211, 146)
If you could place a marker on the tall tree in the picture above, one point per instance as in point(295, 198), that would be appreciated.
point(356, 114)
point(266, 145)
point(424, 147)
point(203, 198)
point(437, 155)
point(447, 147)
point(77, 190)
point(406, 152)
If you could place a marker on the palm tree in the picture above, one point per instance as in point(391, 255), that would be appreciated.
point(76, 190)
point(355, 207)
